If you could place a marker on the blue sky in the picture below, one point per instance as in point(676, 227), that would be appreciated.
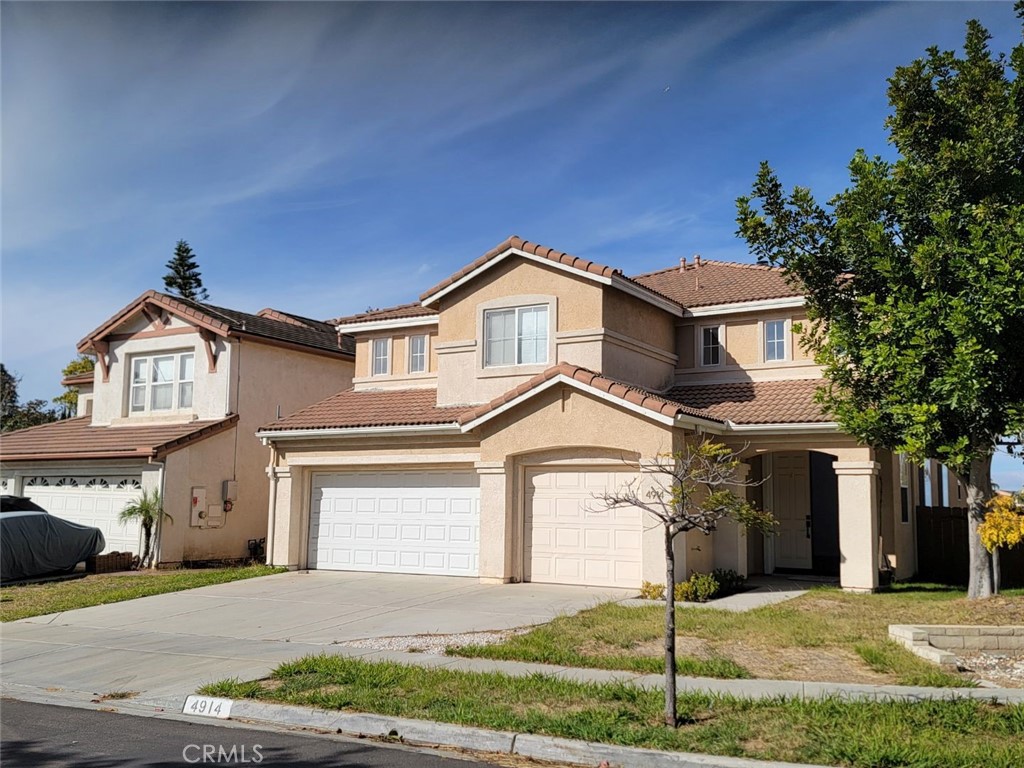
point(322, 158)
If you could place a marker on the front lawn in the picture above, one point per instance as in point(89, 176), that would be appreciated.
point(19, 601)
point(939, 734)
point(825, 635)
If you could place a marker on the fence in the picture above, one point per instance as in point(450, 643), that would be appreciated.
point(942, 549)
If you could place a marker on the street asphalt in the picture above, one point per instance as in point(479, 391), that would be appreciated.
point(44, 736)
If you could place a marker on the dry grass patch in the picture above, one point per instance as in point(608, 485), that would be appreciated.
point(826, 635)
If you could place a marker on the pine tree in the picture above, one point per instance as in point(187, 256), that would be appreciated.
point(184, 278)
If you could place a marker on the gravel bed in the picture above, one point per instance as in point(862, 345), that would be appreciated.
point(432, 644)
point(1004, 669)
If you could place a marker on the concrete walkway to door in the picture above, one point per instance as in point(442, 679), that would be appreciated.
point(170, 644)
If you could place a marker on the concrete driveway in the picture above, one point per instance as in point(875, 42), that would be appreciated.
point(170, 644)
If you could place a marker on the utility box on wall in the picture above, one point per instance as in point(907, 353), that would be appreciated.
point(230, 490)
point(198, 507)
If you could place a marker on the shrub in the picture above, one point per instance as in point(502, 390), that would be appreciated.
point(652, 591)
point(699, 588)
point(729, 582)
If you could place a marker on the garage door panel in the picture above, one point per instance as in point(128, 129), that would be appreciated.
point(98, 507)
point(570, 539)
point(400, 522)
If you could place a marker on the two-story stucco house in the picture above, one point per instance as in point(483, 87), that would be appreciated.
point(483, 418)
point(177, 395)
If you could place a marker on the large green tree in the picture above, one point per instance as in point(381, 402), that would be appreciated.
point(15, 414)
point(914, 274)
point(183, 277)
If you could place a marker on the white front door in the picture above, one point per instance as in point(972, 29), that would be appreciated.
point(396, 522)
point(569, 539)
point(98, 504)
point(792, 508)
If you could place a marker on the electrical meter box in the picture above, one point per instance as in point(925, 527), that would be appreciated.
point(198, 507)
point(229, 491)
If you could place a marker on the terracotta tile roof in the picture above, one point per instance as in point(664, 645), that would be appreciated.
point(301, 332)
point(78, 380)
point(293, 319)
point(755, 402)
point(532, 248)
point(414, 309)
point(628, 392)
point(718, 282)
point(370, 408)
point(76, 439)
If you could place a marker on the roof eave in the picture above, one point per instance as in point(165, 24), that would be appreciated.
point(315, 433)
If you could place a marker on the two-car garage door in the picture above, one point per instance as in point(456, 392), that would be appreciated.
point(396, 522)
point(429, 522)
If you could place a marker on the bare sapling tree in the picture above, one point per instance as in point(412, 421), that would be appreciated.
point(688, 490)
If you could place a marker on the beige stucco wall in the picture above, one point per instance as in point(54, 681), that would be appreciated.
point(399, 376)
point(210, 390)
point(639, 320)
point(744, 350)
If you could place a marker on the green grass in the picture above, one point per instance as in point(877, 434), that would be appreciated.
point(939, 734)
point(25, 600)
point(612, 636)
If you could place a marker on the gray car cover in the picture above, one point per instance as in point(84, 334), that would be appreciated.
point(33, 543)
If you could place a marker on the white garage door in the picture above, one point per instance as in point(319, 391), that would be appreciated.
point(396, 522)
point(89, 501)
point(570, 540)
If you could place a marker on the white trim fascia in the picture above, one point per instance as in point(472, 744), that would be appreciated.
point(786, 302)
point(791, 429)
point(390, 324)
point(313, 434)
point(563, 379)
point(320, 463)
point(645, 294)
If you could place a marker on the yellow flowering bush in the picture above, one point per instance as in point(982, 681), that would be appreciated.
point(1003, 526)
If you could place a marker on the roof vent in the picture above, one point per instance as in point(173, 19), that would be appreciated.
point(682, 264)
point(696, 259)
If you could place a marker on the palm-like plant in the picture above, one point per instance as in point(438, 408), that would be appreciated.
point(147, 510)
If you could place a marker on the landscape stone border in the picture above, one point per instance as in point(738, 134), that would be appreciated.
point(935, 642)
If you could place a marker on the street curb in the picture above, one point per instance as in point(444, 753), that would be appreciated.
point(444, 735)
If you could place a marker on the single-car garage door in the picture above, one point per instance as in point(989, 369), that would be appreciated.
point(396, 522)
point(570, 539)
point(91, 501)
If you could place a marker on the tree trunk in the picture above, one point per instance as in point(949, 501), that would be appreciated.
point(147, 534)
point(979, 491)
point(670, 629)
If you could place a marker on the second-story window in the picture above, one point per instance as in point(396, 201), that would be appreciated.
point(381, 365)
point(417, 353)
point(711, 345)
point(162, 382)
point(516, 336)
point(775, 340)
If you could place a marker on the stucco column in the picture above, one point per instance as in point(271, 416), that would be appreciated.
point(858, 524)
point(652, 551)
point(287, 525)
point(497, 523)
point(730, 538)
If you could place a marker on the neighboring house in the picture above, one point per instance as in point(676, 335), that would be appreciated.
point(178, 392)
point(483, 418)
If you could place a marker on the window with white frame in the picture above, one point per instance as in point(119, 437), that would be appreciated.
point(381, 364)
point(711, 345)
point(774, 340)
point(516, 336)
point(162, 382)
point(418, 353)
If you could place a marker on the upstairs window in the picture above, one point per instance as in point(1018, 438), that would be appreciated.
point(711, 345)
point(417, 354)
point(381, 363)
point(516, 336)
point(775, 340)
point(162, 382)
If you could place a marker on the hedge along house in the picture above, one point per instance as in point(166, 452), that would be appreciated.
point(178, 392)
point(483, 418)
